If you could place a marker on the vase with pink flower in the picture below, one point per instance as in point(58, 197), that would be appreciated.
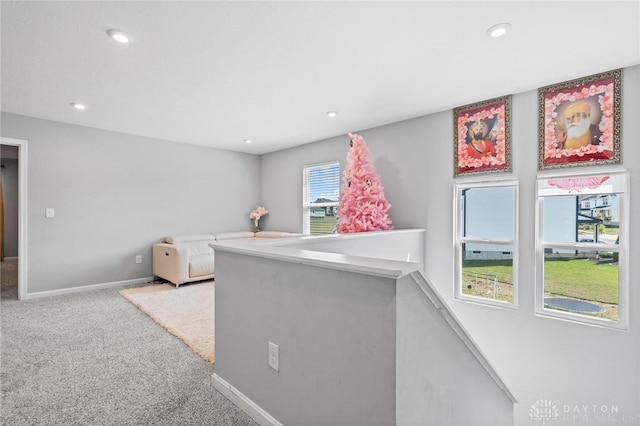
point(256, 215)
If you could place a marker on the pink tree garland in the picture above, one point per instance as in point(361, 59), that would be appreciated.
point(363, 206)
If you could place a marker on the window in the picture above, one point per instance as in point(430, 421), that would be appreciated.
point(321, 196)
point(581, 267)
point(485, 242)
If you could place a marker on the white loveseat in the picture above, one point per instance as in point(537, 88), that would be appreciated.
point(186, 258)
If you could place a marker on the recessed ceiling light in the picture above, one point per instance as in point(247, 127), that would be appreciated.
point(120, 36)
point(332, 114)
point(248, 141)
point(499, 30)
point(78, 106)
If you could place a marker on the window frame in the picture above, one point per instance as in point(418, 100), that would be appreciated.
point(622, 323)
point(459, 241)
point(306, 203)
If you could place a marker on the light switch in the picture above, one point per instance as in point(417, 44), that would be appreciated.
point(50, 212)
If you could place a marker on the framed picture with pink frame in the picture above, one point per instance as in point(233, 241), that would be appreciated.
point(482, 137)
point(579, 122)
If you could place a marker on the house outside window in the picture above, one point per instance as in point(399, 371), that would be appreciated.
point(486, 229)
point(321, 197)
point(581, 249)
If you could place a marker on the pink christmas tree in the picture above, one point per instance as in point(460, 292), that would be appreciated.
point(363, 206)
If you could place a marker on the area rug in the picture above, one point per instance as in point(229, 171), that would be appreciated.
point(186, 312)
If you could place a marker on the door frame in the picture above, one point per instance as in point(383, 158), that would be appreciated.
point(22, 212)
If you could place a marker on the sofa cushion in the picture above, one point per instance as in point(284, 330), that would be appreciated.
point(234, 235)
point(191, 248)
point(185, 238)
point(201, 264)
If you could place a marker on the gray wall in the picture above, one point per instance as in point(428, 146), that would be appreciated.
point(116, 194)
point(336, 335)
point(355, 349)
point(538, 358)
point(439, 380)
point(9, 177)
point(282, 172)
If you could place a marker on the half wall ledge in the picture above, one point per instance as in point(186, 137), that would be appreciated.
point(363, 337)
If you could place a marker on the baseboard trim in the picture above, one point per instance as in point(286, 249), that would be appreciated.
point(243, 402)
point(69, 290)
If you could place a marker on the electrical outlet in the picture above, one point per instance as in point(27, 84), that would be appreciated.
point(274, 356)
point(138, 259)
point(49, 212)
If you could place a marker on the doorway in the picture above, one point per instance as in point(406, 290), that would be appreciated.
point(17, 267)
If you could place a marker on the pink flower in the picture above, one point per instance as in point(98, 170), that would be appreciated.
point(257, 214)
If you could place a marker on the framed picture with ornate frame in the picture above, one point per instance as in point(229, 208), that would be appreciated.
point(482, 137)
point(579, 122)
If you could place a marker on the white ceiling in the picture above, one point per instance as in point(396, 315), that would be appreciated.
point(215, 73)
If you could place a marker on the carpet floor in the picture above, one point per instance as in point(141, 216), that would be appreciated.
point(186, 312)
point(93, 358)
